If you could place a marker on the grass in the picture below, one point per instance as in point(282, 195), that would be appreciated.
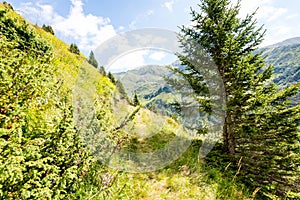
point(185, 178)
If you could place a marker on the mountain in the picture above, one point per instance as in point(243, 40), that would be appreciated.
point(144, 80)
point(148, 82)
point(285, 57)
point(286, 62)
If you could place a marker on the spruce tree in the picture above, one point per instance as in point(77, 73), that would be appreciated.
point(111, 77)
point(74, 49)
point(261, 125)
point(92, 60)
point(136, 101)
point(102, 71)
point(122, 90)
point(48, 29)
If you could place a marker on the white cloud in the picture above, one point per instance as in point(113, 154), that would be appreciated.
point(129, 61)
point(271, 13)
point(169, 5)
point(292, 16)
point(277, 19)
point(278, 34)
point(158, 55)
point(150, 12)
point(266, 9)
point(89, 30)
point(140, 18)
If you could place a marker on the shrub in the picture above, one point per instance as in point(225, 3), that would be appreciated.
point(41, 156)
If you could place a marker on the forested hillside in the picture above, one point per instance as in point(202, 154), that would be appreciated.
point(285, 58)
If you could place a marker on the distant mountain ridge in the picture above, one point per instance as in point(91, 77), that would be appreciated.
point(148, 81)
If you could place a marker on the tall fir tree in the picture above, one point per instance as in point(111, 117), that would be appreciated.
point(261, 125)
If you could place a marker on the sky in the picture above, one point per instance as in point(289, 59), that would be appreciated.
point(89, 23)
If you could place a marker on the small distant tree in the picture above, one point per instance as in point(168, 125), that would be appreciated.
point(102, 71)
point(92, 60)
point(8, 5)
point(136, 101)
point(48, 29)
point(111, 77)
point(122, 90)
point(74, 49)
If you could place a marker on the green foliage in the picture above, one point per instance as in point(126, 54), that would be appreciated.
point(74, 49)
point(92, 60)
point(48, 29)
point(261, 125)
point(41, 154)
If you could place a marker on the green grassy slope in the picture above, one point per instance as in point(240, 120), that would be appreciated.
point(41, 154)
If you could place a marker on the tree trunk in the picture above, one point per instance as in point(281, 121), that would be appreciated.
point(228, 134)
point(231, 139)
point(225, 136)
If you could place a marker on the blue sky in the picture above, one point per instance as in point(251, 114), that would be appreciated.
point(89, 23)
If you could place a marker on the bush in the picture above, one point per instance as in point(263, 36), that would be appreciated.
point(41, 156)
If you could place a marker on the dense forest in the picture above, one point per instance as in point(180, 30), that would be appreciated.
point(50, 146)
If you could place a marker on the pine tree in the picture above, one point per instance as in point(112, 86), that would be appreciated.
point(136, 101)
point(122, 90)
point(74, 49)
point(261, 125)
point(49, 29)
point(111, 77)
point(92, 60)
point(102, 71)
